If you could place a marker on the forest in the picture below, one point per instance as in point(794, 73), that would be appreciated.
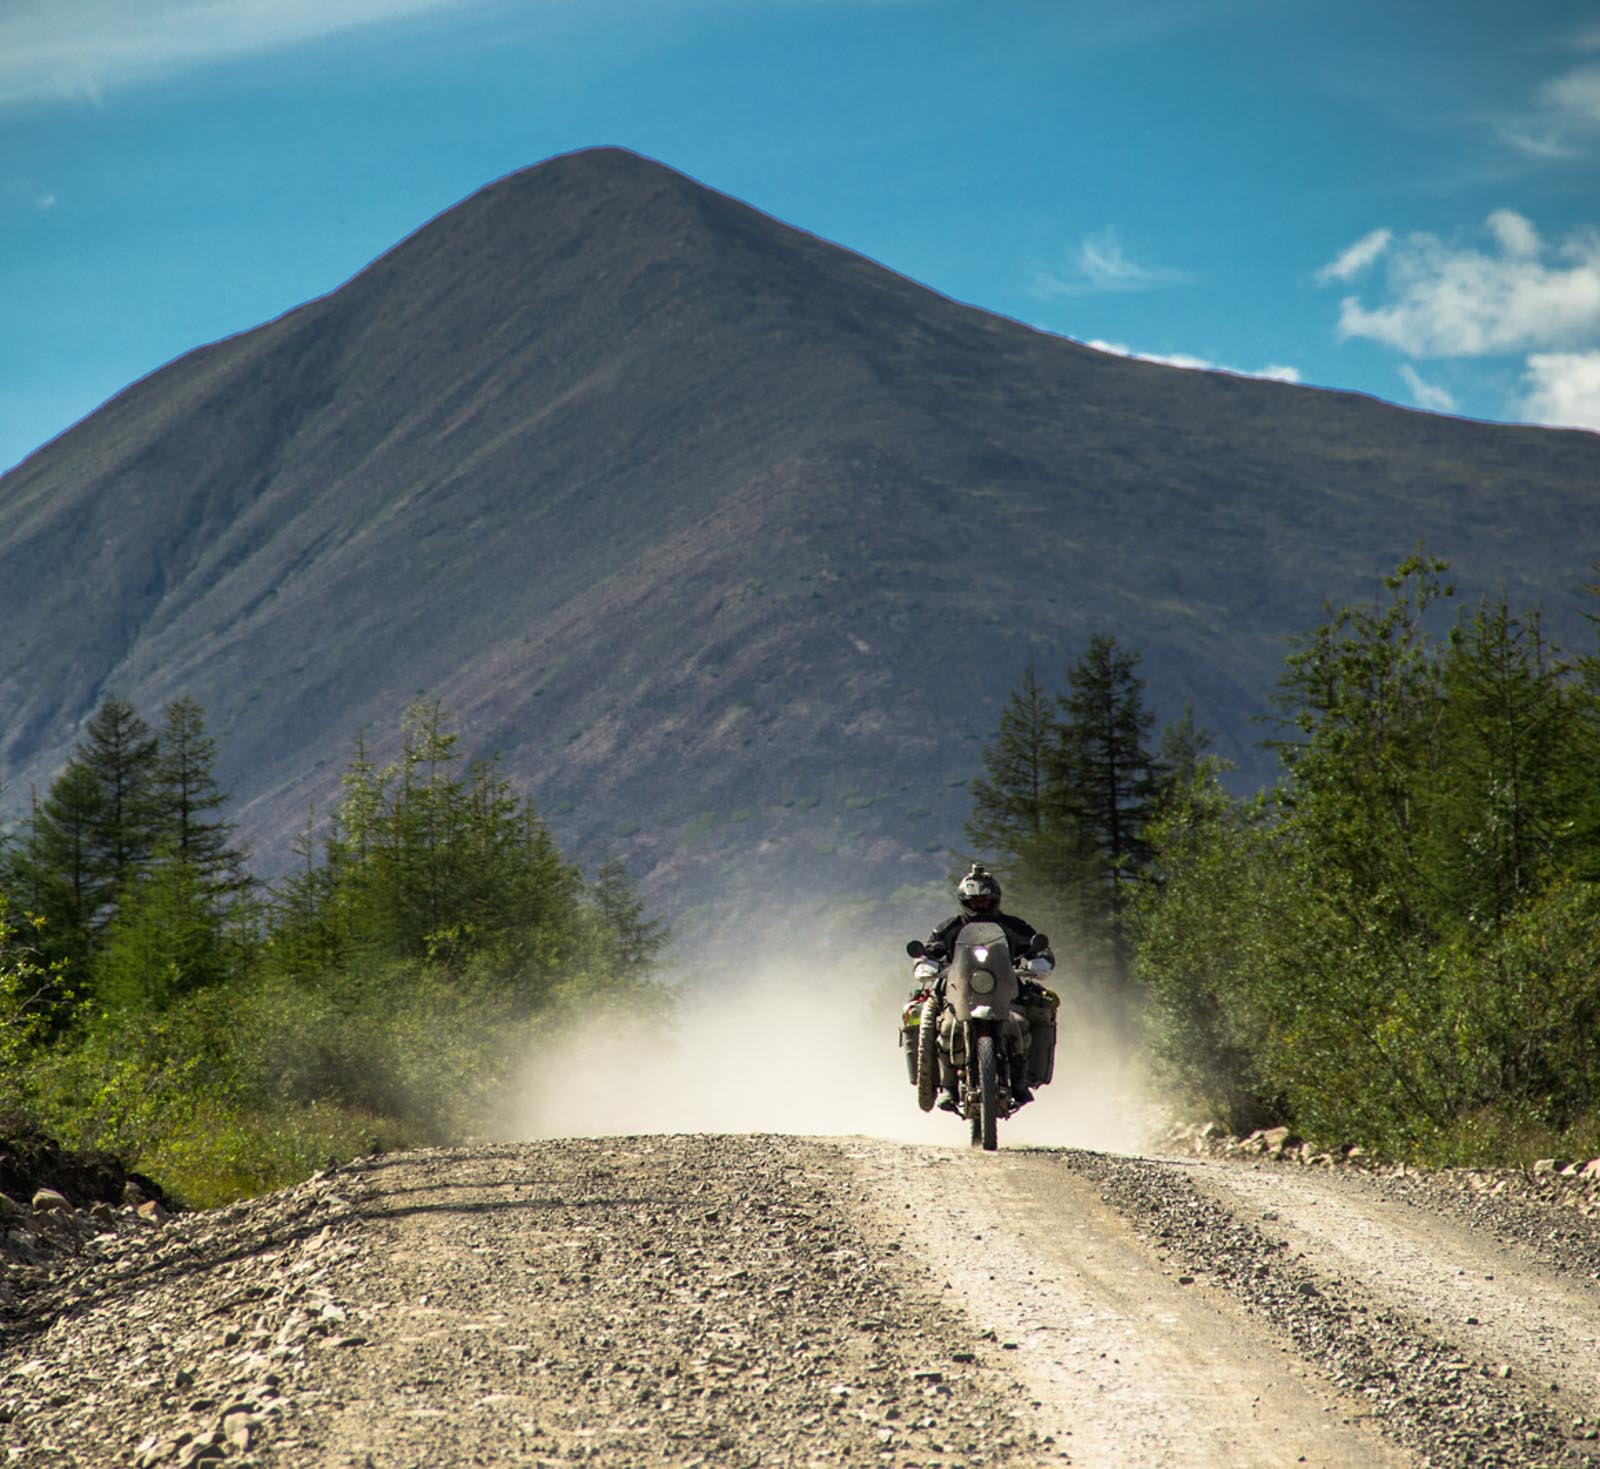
point(1397, 944)
point(227, 1036)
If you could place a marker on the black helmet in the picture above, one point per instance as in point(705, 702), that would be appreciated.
point(978, 893)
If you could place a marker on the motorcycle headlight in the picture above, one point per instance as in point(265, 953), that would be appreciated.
point(982, 981)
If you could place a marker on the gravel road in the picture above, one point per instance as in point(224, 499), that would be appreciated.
point(768, 1300)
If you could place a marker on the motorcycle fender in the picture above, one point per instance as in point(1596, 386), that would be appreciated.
point(985, 1012)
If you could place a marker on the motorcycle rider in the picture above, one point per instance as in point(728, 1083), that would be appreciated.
point(978, 897)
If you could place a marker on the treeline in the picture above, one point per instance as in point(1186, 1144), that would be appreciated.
point(225, 1035)
point(1398, 943)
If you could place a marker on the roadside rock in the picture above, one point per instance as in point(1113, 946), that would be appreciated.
point(1548, 1181)
point(30, 1162)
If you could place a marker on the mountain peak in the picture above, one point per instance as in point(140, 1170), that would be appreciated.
point(680, 508)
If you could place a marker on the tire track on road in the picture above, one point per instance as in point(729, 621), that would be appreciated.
point(1129, 1365)
point(1506, 1310)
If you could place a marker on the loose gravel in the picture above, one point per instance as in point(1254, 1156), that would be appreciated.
point(1425, 1388)
point(669, 1300)
point(1556, 1219)
point(703, 1300)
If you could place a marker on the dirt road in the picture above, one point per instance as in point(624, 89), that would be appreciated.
point(768, 1300)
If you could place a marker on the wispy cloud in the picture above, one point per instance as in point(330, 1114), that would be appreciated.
point(1575, 96)
point(1100, 264)
point(1356, 258)
point(62, 50)
point(1273, 372)
point(1460, 301)
point(1427, 395)
point(1561, 120)
point(20, 193)
point(1563, 389)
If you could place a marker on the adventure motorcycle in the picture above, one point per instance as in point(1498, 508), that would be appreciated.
point(971, 1015)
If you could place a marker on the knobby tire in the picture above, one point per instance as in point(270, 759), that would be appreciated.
point(988, 1094)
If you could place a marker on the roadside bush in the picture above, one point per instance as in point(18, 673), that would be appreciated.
point(1400, 943)
point(385, 995)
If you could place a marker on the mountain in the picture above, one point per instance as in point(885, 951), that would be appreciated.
point(732, 542)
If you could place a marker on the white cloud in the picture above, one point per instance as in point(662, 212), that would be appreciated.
point(55, 50)
point(1512, 292)
point(1563, 389)
point(46, 201)
point(1459, 301)
point(1100, 264)
point(1515, 233)
point(1273, 372)
point(1357, 257)
point(1425, 394)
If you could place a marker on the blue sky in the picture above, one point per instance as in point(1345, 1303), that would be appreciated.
point(1402, 200)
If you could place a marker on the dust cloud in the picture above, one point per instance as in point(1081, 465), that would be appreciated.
point(810, 1047)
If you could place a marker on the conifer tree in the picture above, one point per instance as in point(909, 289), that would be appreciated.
point(1184, 744)
point(187, 801)
point(119, 751)
point(426, 863)
point(60, 863)
point(167, 939)
point(1106, 782)
point(1514, 764)
point(632, 942)
point(1585, 812)
point(1362, 712)
point(1012, 812)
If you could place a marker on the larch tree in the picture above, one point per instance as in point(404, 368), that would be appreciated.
point(120, 752)
point(1107, 782)
point(188, 801)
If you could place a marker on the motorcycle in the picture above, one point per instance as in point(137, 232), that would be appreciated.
point(972, 1016)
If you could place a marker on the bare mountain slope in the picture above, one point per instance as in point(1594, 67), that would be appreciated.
point(732, 541)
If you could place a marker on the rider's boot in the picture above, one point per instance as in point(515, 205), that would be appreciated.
point(948, 1101)
point(1021, 1094)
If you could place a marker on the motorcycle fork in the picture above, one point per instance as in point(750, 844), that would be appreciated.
point(967, 1077)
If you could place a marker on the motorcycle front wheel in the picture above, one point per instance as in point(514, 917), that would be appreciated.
point(985, 1120)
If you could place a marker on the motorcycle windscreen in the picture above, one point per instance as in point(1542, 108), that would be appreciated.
point(980, 969)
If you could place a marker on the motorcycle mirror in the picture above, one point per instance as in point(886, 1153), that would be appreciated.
point(1038, 944)
point(915, 949)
